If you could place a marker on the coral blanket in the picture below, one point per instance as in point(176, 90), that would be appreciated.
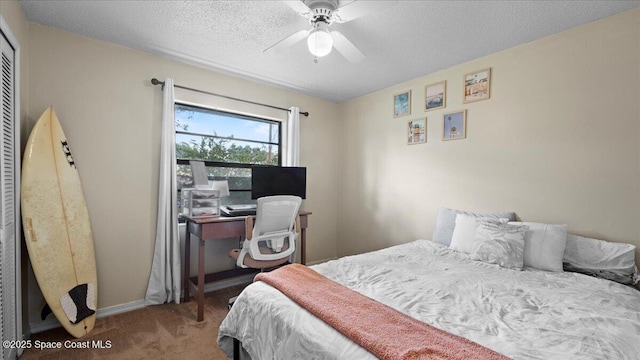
point(382, 330)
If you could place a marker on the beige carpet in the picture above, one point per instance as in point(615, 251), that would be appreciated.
point(166, 331)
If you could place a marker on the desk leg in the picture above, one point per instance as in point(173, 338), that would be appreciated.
point(187, 264)
point(303, 245)
point(201, 281)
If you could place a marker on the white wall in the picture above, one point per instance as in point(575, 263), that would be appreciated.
point(557, 142)
point(110, 113)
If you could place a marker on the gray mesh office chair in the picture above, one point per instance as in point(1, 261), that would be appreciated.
point(272, 241)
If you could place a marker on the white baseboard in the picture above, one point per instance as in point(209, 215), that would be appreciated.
point(53, 323)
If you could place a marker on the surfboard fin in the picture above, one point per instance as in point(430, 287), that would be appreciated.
point(78, 303)
point(46, 310)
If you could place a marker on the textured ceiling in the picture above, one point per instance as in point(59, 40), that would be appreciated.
point(408, 39)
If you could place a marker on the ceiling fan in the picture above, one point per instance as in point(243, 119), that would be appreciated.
point(321, 13)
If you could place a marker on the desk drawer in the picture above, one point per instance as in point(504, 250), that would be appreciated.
point(217, 230)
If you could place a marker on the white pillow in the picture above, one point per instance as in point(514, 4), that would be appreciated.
point(544, 245)
point(465, 230)
point(500, 243)
point(607, 260)
point(446, 222)
point(463, 233)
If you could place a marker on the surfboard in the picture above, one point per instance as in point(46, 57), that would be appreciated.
point(57, 228)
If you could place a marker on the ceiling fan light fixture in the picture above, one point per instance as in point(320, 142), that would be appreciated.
point(320, 41)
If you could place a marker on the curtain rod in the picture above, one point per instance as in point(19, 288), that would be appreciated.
point(155, 81)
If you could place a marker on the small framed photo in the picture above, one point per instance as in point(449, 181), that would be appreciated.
point(402, 104)
point(417, 131)
point(435, 96)
point(477, 85)
point(455, 125)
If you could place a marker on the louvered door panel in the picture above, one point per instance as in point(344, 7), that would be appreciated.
point(8, 185)
point(8, 266)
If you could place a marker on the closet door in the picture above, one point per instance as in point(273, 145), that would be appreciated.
point(8, 200)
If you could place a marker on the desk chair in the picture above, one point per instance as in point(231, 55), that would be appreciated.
point(272, 241)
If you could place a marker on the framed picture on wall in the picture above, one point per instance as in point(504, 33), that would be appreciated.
point(435, 96)
point(417, 131)
point(455, 125)
point(477, 85)
point(402, 104)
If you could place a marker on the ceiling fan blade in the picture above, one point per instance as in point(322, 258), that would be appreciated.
point(356, 9)
point(298, 6)
point(346, 47)
point(288, 41)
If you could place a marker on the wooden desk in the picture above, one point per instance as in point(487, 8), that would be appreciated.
point(215, 228)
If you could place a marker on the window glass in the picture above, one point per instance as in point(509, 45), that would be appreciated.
point(229, 144)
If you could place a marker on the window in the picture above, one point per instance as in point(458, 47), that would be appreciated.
point(229, 144)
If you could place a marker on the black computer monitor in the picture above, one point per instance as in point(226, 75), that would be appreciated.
point(278, 180)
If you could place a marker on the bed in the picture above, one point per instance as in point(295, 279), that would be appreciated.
point(522, 314)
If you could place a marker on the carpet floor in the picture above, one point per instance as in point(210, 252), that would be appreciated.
point(168, 331)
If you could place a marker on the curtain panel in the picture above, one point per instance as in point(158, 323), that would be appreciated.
point(164, 281)
point(292, 152)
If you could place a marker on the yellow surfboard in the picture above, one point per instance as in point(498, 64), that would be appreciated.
point(56, 226)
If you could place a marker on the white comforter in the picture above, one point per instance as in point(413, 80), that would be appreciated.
point(528, 314)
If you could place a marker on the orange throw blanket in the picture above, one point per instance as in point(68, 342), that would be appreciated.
point(382, 330)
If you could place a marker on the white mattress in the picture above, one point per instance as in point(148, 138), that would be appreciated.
point(528, 314)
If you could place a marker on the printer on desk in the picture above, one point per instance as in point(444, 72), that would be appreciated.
point(238, 210)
